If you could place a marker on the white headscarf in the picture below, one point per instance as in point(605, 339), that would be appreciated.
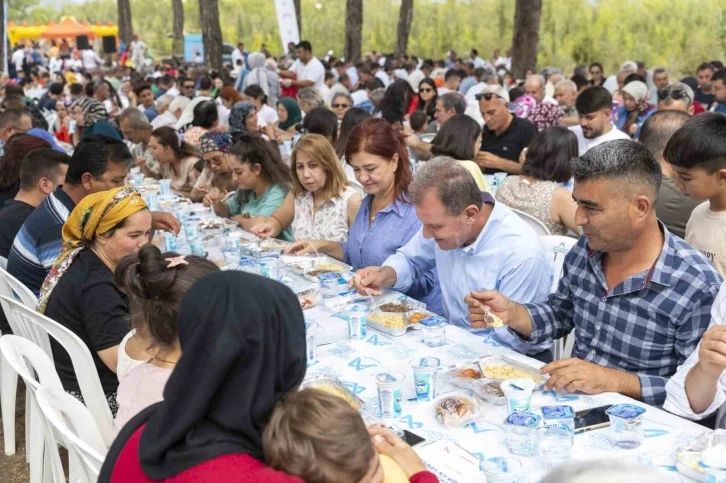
point(258, 74)
point(637, 89)
point(188, 113)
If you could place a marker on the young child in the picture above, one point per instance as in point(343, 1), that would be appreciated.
point(419, 122)
point(697, 152)
point(320, 438)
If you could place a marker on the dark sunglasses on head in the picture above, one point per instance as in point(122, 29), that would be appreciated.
point(487, 96)
point(675, 94)
point(339, 106)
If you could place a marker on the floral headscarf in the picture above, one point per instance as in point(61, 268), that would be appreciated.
point(238, 116)
point(215, 141)
point(94, 215)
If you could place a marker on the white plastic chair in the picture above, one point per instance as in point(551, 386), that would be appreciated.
point(14, 289)
point(537, 225)
point(559, 247)
point(22, 357)
point(3, 263)
point(76, 428)
point(81, 359)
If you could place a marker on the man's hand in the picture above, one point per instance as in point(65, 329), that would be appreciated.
point(304, 247)
point(214, 197)
point(140, 161)
point(389, 444)
point(370, 280)
point(161, 220)
point(488, 301)
point(574, 375)
point(265, 229)
point(712, 353)
point(488, 160)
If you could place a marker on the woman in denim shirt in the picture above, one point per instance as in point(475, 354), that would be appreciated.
point(386, 220)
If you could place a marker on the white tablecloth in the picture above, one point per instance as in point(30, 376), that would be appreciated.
point(356, 363)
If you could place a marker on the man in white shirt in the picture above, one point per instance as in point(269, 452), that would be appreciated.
point(698, 389)
point(308, 70)
point(594, 106)
point(138, 51)
point(17, 59)
point(90, 59)
point(452, 79)
point(238, 53)
point(165, 117)
point(478, 61)
point(417, 75)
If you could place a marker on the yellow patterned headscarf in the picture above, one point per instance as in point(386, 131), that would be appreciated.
point(95, 215)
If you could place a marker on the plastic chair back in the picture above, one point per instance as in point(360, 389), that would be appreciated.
point(3, 263)
point(559, 247)
point(77, 429)
point(13, 289)
point(539, 228)
point(83, 364)
point(22, 357)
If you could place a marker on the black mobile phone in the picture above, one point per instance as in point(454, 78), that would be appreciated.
point(590, 419)
point(411, 438)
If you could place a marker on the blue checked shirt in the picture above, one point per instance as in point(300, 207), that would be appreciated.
point(647, 325)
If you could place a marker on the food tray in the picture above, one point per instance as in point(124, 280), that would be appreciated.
point(521, 370)
point(273, 244)
point(488, 390)
point(399, 321)
point(456, 376)
point(322, 262)
point(332, 385)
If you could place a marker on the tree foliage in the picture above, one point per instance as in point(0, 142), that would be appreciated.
point(677, 34)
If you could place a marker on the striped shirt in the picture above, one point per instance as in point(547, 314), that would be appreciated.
point(647, 325)
point(39, 241)
point(677, 399)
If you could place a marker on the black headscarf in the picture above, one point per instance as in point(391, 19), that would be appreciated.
point(243, 348)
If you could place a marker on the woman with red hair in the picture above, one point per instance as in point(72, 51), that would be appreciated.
point(386, 219)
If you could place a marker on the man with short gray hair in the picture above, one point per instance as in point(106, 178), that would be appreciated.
point(637, 297)
point(473, 243)
point(566, 95)
point(447, 106)
point(136, 129)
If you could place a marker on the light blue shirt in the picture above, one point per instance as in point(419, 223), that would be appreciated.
point(370, 244)
point(507, 256)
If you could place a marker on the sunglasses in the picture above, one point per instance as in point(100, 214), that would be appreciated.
point(341, 106)
point(188, 86)
point(426, 90)
point(675, 94)
point(487, 96)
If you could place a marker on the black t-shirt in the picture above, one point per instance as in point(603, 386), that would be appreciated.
point(510, 143)
point(706, 100)
point(87, 302)
point(9, 193)
point(12, 216)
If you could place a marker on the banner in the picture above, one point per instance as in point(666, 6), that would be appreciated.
point(287, 22)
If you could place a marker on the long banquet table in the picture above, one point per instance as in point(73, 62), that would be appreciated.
point(455, 453)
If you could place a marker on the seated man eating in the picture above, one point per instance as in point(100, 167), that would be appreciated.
point(638, 298)
point(473, 243)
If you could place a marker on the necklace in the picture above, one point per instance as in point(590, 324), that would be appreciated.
point(164, 360)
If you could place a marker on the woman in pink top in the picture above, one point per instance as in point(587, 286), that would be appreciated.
point(155, 283)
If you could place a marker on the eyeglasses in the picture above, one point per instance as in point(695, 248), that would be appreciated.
point(191, 86)
point(341, 106)
point(487, 96)
point(426, 90)
point(675, 94)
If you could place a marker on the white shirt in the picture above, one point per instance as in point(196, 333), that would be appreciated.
point(17, 59)
point(384, 78)
point(138, 50)
point(237, 55)
point(415, 78)
point(676, 397)
point(268, 114)
point(173, 91)
point(312, 71)
point(352, 75)
point(479, 62)
point(585, 144)
point(474, 90)
point(91, 60)
point(359, 96)
point(443, 90)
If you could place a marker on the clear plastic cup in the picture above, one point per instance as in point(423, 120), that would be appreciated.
point(433, 331)
point(231, 258)
point(311, 342)
point(521, 435)
point(138, 179)
point(626, 425)
point(182, 216)
point(390, 394)
point(170, 242)
point(425, 378)
point(165, 187)
point(555, 444)
point(196, 246)
point(151, 200)
point(518, 393)
point(356, 326)
point(190, 231)
point(501, 469)
point(270, 267)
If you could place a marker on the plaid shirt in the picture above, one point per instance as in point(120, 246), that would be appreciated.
point(648, 324)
